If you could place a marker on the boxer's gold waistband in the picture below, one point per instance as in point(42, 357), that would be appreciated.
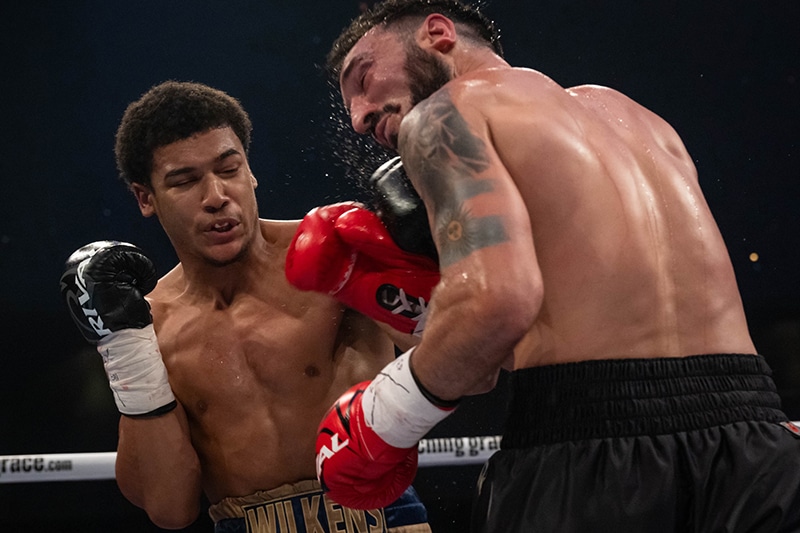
point(296, 507)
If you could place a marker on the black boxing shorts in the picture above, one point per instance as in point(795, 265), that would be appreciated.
point(659, 445)
point(303, 508)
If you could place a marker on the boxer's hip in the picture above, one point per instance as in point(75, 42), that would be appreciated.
point(628, 397)
point(303, 507)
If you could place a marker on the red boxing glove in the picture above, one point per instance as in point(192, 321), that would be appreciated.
point(345, 250)
point(367, 442)
point(354, 466)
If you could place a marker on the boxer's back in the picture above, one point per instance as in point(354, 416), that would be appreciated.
point(632, 261)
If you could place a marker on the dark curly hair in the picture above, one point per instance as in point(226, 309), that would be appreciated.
point(170, 112)
point(390, 12)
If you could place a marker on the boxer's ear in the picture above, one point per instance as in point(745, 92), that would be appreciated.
point(144, 196)
point(438, 33)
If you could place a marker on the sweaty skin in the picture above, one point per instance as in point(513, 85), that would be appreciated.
point(570, 222)
point(257, 373)
point(254, 362)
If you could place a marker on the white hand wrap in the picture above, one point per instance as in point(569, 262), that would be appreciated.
point(135, 370)
point(396, 409)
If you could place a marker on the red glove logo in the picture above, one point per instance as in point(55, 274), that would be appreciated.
point(326, 451)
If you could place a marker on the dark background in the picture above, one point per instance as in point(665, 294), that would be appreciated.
point(724, 74)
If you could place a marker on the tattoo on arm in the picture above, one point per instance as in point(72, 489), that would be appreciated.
point(459, 234)
point(446, 157)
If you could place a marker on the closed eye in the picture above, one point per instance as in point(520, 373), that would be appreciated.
point(354, 76)
point(180, 180)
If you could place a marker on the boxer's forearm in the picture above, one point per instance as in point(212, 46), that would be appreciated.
point(158, 469)
point(473, 329)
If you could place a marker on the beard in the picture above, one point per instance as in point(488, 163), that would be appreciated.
point(426, 73)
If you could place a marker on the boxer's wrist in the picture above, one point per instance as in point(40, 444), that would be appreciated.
point(431, 397)
point(164, 409)
point(395, 407)
point(136, 372)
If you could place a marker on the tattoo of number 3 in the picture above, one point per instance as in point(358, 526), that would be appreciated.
point(447, 158)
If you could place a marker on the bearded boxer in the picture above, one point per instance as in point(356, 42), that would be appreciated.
point(222, 369)
point(576, 249)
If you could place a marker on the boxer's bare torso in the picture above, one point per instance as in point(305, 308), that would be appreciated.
point(256, 367)
point(631, 261)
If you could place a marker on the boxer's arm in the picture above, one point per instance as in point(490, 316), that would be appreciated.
point(488, 298)
point(158, 470)
point(104, 286)
point(491, 289)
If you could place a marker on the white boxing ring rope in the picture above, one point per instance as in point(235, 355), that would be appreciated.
point(35, 468)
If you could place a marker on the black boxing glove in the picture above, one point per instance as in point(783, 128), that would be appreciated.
point(104, 285)
point(401, 210)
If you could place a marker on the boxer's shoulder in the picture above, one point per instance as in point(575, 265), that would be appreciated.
point(168, 287)
point(279, 232)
